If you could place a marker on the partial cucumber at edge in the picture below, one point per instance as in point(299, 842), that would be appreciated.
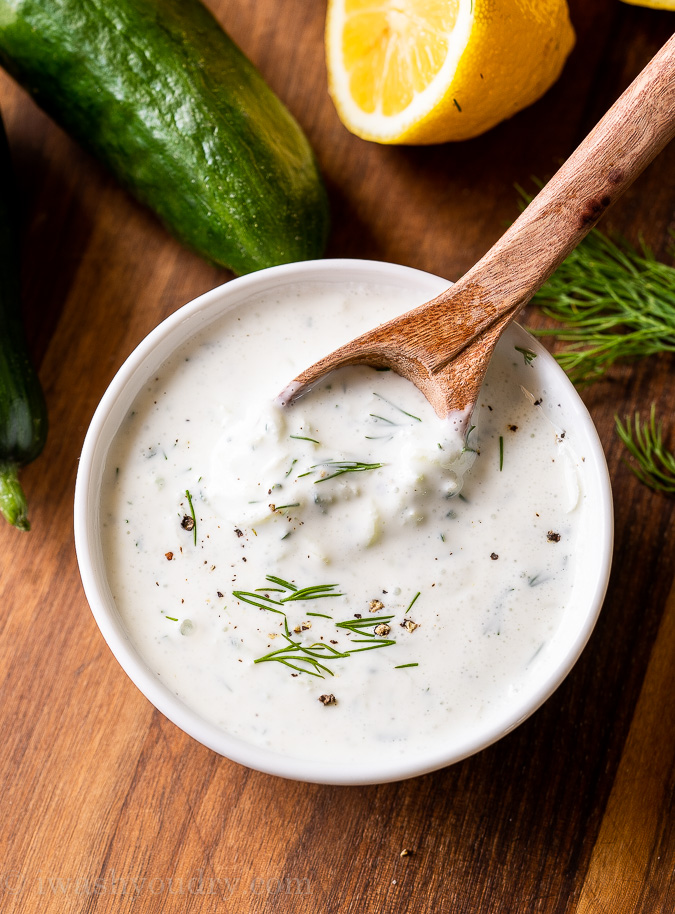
point(23, 412)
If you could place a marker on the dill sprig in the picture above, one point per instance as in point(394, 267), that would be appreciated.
point(304, 438)
point(262, 600)
point(395, 406)
point(313, 593)
point(655, 464)
point(467, 447)
point(340, 467)
point(527, 354)
point(616, 303)
point(412, 602)
point(312, 658)
point(360, 627)
point(309, 655)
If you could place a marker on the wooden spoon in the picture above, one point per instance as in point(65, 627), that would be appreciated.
point(444, 346)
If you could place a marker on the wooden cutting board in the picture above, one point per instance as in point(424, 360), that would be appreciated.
point(106, 806)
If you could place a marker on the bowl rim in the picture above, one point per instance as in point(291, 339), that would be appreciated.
point(218, 300)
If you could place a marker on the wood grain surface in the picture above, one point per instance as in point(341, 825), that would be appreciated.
point(106, 806)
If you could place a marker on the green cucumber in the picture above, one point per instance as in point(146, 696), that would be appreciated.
point(23, 414)
point(163, 97)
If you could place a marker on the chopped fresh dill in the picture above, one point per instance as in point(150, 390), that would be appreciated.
point(260, 598)
point(261, 601)
point(527, 354)
point(382, 419)
point(466, 442)
point(285, 584)
point(283, 507)
point(315, 592)
point(340, 467)
point(171, 618)
point(501, 453)
point(290, 469)
point(192, 512)
point(356, 626)
point(304, 438)
point(360, 627)
point(655, 464)
point(404, 666)
point(312, 658)
point(413, 601)
point(394, 406)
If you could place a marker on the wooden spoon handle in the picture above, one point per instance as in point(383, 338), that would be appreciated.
point(634, 130)
point(444, 346)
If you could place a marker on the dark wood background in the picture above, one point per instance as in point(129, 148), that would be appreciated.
point(105, 805)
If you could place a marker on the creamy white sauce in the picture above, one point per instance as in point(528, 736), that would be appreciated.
point(479, 536)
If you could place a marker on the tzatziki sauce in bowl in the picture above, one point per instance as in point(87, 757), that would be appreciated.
point(342, 591)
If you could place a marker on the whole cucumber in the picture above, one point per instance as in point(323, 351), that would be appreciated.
point(23, 414)
point(160, 94)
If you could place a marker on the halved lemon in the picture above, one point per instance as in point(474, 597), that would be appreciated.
point(429, 71)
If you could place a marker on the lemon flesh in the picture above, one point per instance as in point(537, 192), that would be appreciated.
point(429, 71)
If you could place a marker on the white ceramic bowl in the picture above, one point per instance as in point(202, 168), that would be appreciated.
point(578, 620)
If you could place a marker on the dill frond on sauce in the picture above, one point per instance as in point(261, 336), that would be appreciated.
point(412, 602)
point(527, 354)
point(312, 658)
point(304, 438)
point(262, 600)
point(395, 406)
point(339, 467)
